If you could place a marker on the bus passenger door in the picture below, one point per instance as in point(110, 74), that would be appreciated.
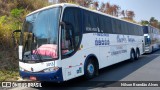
point(70, 42)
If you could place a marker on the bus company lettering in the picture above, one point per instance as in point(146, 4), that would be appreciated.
point(124, 39)
point(50, 64)
point(102, 34)
point(79, 70)
point(121, 39)
point(91, 29)
point(131, 39)
point(101, 42)
point(69, 73)
point(118, 52)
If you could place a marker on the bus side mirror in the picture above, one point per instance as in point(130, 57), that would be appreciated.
point(14, 39)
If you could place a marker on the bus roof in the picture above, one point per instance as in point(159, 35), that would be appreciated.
point(74, 5)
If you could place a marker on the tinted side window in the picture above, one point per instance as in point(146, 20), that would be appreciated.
point(131, 32)
point(124, 27)
point(119, 28)
point(87, 20)
point(102, 23)
point(94, 20)
point(108, 24)
point(90, 21)
point(114, 25)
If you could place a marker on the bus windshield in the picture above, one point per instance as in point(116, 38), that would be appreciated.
point(147, 40)
point(40, 35)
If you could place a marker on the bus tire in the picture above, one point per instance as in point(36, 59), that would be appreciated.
point(152, 50)
point(137, 54)
point(90, 69)
point(132, 55)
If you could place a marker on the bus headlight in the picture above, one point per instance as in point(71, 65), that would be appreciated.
point(52, 69)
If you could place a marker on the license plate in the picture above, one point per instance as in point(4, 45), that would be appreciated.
point(33, 78)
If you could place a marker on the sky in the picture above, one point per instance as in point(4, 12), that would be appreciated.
point(143, 9)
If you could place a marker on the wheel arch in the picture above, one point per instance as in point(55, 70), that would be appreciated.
point(132, 49)
point(137, 49)
point(93, 57)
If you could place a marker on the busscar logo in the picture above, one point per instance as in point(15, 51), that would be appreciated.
point(6, 84)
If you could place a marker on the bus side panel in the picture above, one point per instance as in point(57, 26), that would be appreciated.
point(115, 49)
point(74, 65)
point(114, 52)
point(119, 49)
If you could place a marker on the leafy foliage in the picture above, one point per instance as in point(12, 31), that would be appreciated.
point(12, 14)
point(153, 22)
point(16, 12)
point(144, 22)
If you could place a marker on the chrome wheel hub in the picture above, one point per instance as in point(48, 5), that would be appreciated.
point(90, 69)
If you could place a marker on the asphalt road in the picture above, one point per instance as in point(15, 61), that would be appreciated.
point(145, 69)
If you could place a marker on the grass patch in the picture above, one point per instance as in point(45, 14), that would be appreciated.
point(8, 75)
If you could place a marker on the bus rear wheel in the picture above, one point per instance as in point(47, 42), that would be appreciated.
point(152, 49)
point(137, 54)
point(90, 69)
point(132, 55)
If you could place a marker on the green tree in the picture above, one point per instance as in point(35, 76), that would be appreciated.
point(144, 22)
point(153, 22)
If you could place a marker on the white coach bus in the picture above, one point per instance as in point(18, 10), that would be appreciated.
point(151, 38)
point(65, 41)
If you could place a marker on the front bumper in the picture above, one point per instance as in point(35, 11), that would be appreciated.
point(43, 76)
point(147, 50)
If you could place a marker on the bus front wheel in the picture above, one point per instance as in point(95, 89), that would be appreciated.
point(90, 69)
